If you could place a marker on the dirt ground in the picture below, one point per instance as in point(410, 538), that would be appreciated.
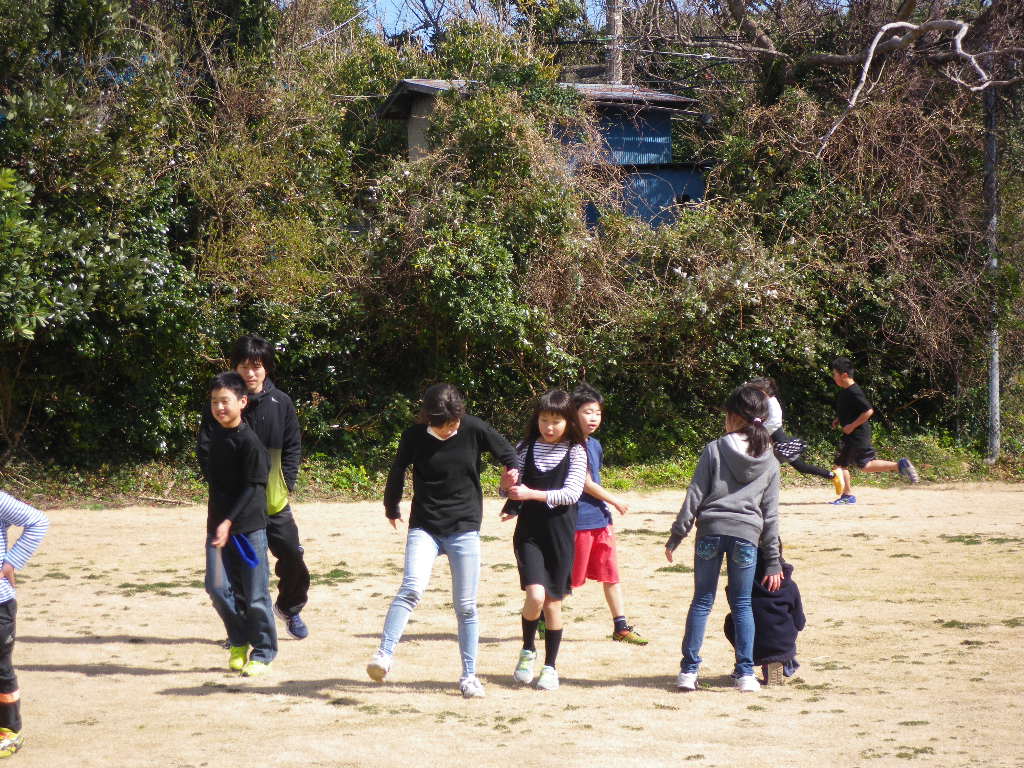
point(913, 601)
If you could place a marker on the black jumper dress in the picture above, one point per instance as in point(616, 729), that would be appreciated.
point(545, 538)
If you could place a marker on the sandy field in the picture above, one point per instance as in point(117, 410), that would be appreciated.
point(913, 601)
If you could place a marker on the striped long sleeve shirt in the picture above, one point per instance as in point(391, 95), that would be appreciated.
point(547, 456)
point(34, 525)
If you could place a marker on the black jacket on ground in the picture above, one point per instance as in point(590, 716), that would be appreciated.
point(778, 617)
point(271, 415)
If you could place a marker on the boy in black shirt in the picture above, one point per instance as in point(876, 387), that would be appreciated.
point(853, 412)
point(270, 413)
point(237, 576)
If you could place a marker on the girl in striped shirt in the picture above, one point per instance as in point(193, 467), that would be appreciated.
point(553, 469)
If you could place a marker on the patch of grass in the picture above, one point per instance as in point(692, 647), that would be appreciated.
point(55, 575)
point(489, 538)
point(974, 539)
point(674, 568)
point(337, 575)
point(696, 756)
point(905, 554)
point(913, 722)
point(757, 708)
point(1016, 621)
point(157, 587)
point(909, 753)
point(343, 701)
point(954, 624)
point(642, 532)
point(664, 706)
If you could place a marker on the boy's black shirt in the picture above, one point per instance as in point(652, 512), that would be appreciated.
point(850, 404)
point(447, 497)
point(236, 460)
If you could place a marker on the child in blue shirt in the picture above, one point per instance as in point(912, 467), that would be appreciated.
point(595, 541)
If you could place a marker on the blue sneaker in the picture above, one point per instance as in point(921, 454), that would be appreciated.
point(845, 499)
point(908, 471)
point(294, 625)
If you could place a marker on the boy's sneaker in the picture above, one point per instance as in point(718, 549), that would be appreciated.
point(628, 635)
point(907, 470)
point(773, 673)
point(747, 684)
point(524, 667)
point(687, 681)
point(471, 687)
point(548, 679)
point(238, 655)
point(255, 668)
point(10, 742)
point(845, 499)
point(379, 666)
point(294, 625)
point(837, 482)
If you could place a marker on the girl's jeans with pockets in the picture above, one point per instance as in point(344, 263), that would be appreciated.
point(421, 549)
point(741, 559)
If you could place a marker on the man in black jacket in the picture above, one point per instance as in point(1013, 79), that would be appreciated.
point(270, 413)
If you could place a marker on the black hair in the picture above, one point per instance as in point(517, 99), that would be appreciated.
point(583, 393)
point(843, 365)
point(555, 401)
point(255, 349)
point(228, 380)
point(766, 384)
point(442, 403)
point(751, 405)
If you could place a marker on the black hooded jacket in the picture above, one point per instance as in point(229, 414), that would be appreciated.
point(778, 617)
point(271, 415)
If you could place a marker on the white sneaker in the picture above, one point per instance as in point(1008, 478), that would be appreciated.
point(747, 684)
point(687, 681)
point(379, 666)
point(548, 679)
point(524, 667)
point(471, 687)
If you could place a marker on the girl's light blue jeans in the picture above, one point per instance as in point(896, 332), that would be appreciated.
point(741, 559)
point(421, 549)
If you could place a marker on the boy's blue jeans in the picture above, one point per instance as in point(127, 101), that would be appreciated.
point(241, 595)
point(421, 549)
point(741, 559)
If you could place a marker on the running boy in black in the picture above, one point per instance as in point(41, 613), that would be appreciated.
point(237, 575)
point(853, 412)
point(270, 413)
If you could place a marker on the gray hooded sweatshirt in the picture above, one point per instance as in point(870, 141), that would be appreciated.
point(733, 494)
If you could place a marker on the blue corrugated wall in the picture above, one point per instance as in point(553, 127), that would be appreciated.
point(637, 139)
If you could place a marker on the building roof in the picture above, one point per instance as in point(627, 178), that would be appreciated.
point(399, 102)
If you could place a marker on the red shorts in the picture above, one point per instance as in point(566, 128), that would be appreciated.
point(595, 557)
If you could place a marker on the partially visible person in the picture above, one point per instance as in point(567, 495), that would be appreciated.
point(596, 557)
point(237, 573)
point(553, 471)
point(778, 618)
point(444, 450)
point(34, 525)
point(733, 500)
point(271, 415)
point(853, 414)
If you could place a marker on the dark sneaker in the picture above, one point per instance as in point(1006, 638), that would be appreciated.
point(628, 635)
point(845, 499)
point(10, 742)
point(908, 471)
point(294, 625)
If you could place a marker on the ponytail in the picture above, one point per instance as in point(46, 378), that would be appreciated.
point(751, 405)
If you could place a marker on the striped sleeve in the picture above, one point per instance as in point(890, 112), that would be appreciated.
point(572, 490)
point(33, 523)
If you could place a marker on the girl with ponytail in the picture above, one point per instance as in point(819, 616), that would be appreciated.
point(733, 500)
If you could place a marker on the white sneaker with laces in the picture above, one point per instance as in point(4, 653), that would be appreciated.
point(471, 687)
point(379, 666)
point(747, 684)
point(524, 667)
point(687, 681)
point(548, 679)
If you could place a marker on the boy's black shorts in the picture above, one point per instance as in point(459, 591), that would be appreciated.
point(855, 450)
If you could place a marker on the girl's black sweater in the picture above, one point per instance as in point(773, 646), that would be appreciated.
point(446, 493)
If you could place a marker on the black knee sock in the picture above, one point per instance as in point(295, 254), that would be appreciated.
point(529, 633)
point(620, 623)
point(552, 640)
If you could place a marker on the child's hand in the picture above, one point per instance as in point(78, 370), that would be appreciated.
point(395, 521)
point(668, 554)
point(220, 536)
point(509, 478)
point(522, 493)
point(620, 505)
point(773, 582)
point(8, 573)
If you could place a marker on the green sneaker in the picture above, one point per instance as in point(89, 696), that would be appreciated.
point(10, 742)
point(237, 656)
point(524, 667)
point(629, 635)
point(255, 668)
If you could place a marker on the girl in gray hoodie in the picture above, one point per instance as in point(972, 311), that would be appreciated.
point(733, 499)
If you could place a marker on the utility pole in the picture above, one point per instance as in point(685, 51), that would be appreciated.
point(613, 11)
point(991, 196)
